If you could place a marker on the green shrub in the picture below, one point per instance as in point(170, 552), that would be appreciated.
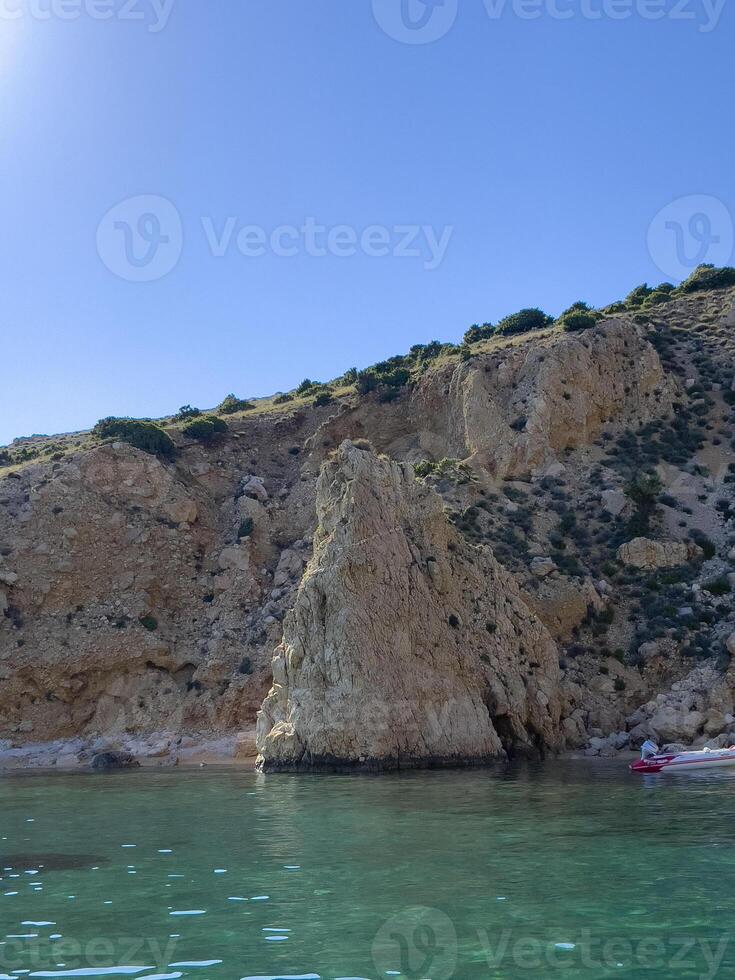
point(636, 297)
point(205, 428)
point(476, 333)
point(307, 386)
point(718, 586)
point(149, 623)
point(282, 399)
point(323, 398)
point(246, 528)
point(574, 321)
point(367, 381)
point(705, 543)
point(643, 491)
point(140, 433)
point(396, 378)
point(524, 321)
point(657, 297)
point(187, 412)
point(231, 404)
point(427, 352)
point(708, 277)
point(613, 308)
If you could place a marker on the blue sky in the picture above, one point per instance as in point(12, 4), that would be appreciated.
point(542, 149)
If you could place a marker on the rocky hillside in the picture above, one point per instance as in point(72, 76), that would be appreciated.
point(521, 543)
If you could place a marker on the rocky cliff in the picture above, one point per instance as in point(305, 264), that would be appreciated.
point(515, 408)
point(538, 550)
point(406, 645)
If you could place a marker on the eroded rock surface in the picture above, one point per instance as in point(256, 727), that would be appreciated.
point(406, 646)
point(647, 554)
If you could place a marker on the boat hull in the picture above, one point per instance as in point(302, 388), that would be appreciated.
point(685, 762)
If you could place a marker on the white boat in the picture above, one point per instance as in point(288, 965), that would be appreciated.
point(652, 760)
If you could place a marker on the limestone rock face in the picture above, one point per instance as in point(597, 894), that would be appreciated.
point(513, 411)
point(406, 646)
point(562, 605)
point(644, 553)
point(531, 402)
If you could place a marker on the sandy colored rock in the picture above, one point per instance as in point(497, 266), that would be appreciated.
point(677, 724)
point(514, 411)
point(541, 567)
point(560, 604)
point(405, 646)
point(245, 745)
point(648, 554)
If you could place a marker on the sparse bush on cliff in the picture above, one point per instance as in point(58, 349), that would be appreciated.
point(613, 308)
point(577, 321)
point(367, 381)
point(643, 491)
point(661, 294)
point(246, 528)
point(524, 321)
point(323, 398)
point(282, 399)
point(580, 316)
point(396, 378)
point(141, 434)
point(231, 404)
point(421, 353)
point(205, 428)
point(187, 412)
point(705, 543)
point(477, 332)
point(718, 586)
point(636, 297)
point(390, 374)
point(708, 277)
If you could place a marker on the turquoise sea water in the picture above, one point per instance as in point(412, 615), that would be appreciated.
point(568, 869)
